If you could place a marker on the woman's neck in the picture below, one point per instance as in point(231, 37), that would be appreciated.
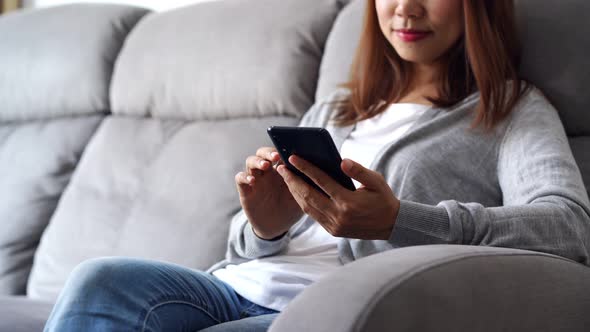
point(423, 84)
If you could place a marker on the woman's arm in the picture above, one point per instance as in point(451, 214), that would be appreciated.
point(243, 243)
point(546, 206)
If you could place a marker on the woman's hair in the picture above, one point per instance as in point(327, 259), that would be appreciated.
point(484, 59)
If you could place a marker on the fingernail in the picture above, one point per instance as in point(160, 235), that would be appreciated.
point(249, 178)
point(274, 154)
point(262, 163)
point(347, 164)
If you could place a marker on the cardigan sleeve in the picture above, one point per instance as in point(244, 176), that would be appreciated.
point(245, 244)
point(545, 204)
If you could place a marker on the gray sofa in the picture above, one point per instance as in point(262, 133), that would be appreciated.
point(121, 130)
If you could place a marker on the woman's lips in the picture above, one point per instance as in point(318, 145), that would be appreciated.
point(411, 35)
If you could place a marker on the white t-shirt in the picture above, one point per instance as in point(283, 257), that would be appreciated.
point(273, 282)
point(371, 135)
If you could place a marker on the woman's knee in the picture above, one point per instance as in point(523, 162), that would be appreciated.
point(120, 277)
point(100, 277)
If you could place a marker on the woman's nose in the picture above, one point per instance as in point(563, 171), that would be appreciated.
point(409, 9)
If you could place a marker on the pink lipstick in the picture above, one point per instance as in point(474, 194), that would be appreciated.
point(409, 35)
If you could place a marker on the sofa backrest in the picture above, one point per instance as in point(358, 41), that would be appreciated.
point(193, 92)
point(554, 40)
point(55, 68)
point(58, 61)
point(555, 43)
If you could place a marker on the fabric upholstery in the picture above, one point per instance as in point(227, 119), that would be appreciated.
point(37, 160)
point(581, 150)
point(58, 61)
point(340, 48)
point(156, 189)
point(20, 314)
point(446, 288)
point(45, 78)
point(224, 59)
point(508, 293)
point(555, 42)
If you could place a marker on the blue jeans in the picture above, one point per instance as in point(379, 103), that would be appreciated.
point(121, 294)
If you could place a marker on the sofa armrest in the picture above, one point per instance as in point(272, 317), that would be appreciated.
point(446, 288)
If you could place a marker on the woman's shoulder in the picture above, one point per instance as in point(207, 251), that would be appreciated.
point(534, 112)
point(530, 92)
point(533, 101)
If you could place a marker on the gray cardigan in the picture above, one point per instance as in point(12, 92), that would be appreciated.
point(517, 187)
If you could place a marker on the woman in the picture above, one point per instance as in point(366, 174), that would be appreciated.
point(450, 146)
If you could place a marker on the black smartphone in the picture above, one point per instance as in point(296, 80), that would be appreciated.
point(314, 145)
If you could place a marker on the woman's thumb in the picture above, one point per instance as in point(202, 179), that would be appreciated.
point(358, 172)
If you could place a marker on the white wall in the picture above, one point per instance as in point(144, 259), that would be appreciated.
point(153, 4)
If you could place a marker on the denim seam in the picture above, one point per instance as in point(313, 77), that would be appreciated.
point(175, 302)
point(247, 310)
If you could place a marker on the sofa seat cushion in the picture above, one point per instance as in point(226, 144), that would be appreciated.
point(148, 188)
point(21, 314)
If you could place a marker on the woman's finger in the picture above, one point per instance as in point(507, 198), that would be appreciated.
point(257, 163)
point(278, 163)
point(243, 183)
point(365, 176)
point(323, 180)
point(269, 154)
point(243, 178)
point(309, 197)
point(317, 214)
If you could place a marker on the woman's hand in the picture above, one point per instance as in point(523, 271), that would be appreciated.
point(368, 213)
point(264, 196)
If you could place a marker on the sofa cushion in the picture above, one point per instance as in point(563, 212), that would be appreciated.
point(58, 61)
point(340, 48)
point(56, 65)
point(581, 149)
point(149, 188)
point(224, 59)
point(20, 314)
point(37, 161)
point(555, 57)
